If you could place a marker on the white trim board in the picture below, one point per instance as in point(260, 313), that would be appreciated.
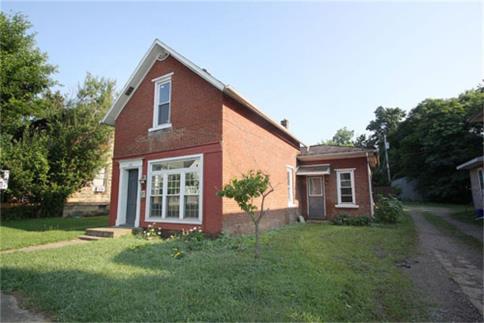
point(124, 166)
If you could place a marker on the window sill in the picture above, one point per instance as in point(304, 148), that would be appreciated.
point(292, 205)
point(346, 206)
point(178, 221)
point(163, 126)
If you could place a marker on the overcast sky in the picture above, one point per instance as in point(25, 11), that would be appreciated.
point(322, 65)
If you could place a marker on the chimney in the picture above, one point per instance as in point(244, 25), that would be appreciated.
point(285, 123)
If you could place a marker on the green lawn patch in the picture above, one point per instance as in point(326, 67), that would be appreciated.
point(29, 232)
point(308, 272)
point(467, 216)
point(451, 230)
point(455, 207)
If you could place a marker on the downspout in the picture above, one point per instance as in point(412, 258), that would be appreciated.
point(372, 212)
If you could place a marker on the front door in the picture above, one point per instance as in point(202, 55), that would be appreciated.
point(315, 187)
point(132, 197)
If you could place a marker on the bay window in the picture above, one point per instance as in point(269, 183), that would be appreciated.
point(175, 190)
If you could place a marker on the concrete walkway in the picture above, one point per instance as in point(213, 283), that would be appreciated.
point(11, 312)
point(53, 245)
point(448, 273)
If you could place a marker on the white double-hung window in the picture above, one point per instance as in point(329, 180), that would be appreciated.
point(174, 190)
point(345, 182)
point(162, 102)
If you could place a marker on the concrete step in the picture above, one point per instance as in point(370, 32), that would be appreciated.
point(95, 232)
point(90, 238)
point(108, 232)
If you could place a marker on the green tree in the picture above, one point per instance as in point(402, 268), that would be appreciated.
point(25, 74)
point(245, 191)
point(434, 139)
point(386, 123)
point(79, 143)
point(342, 137)
point(52, 145)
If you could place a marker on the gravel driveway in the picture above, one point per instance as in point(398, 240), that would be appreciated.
point(447, 272)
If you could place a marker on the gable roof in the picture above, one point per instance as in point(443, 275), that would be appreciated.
point(160, 50)
point(333, 151)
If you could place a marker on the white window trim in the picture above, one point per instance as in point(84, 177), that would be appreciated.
point(291, 197)
point(181, 171)
point(349, 205)
point(159, 81)
point(124, 166)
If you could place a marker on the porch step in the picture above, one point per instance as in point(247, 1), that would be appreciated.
point(90, 238)
point(107, 232)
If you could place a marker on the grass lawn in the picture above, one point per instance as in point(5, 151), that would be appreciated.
point(309, 272)
point(468, 216)
point(452, 230)
point(453, 207)
point(23, 233)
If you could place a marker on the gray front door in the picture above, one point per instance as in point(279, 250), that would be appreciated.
point(132, 196)
point(315, 187)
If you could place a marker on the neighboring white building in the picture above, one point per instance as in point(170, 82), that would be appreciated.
point(475, 167)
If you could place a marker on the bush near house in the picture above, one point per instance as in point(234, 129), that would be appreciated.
point(345, 219)
point(388, 209)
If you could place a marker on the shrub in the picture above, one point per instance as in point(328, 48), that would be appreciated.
point(345, 219)
point(388, 209)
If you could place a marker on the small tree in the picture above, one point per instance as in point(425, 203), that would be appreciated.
point(243, 191)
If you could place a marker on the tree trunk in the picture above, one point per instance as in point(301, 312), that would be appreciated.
point(257, 251)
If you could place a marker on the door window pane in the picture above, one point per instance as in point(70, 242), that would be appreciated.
point(315, 186)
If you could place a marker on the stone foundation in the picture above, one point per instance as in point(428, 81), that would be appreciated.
point(85, 209)
point(241, 223)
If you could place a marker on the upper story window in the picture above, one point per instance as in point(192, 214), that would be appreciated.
point(346, 187)
point(162, 104)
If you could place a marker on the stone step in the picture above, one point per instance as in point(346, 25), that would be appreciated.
point(108, 232)
point(99, 233)
point(90, 238)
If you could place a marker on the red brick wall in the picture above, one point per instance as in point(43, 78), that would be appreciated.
point(212, 182)
point(362, 193)
point(249, 142)
point(196, 117)
point(196, 114)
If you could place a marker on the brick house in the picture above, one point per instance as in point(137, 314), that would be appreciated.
point(180, 134)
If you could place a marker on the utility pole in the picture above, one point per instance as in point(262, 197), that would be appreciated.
point(385, 143)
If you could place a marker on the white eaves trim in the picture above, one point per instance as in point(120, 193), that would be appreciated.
point(159, 50)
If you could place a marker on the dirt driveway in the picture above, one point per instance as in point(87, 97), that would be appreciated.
point(447, 271)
